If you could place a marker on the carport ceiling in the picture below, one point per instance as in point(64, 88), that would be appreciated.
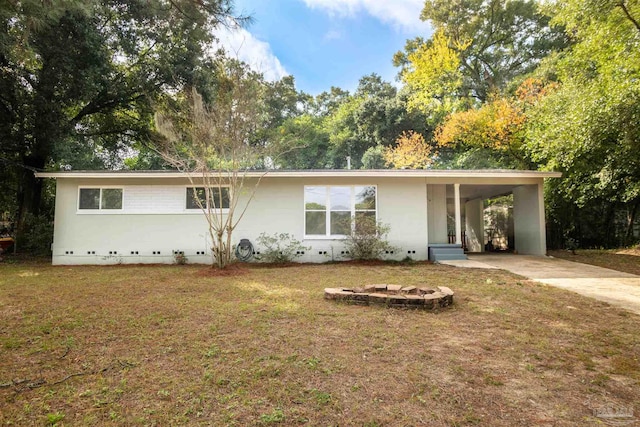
point(470, 192)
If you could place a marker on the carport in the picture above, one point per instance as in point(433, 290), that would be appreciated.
point(456, 209)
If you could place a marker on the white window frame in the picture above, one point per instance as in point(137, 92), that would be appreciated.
point(197, 209)
point(100, 209)
point(352, 206)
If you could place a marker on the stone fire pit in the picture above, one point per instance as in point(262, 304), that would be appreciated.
point(393, 296)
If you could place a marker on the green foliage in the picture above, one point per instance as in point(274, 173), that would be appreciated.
point(276, 416)
point(54, 418)
point(581, 18)
point(79, 80)
point(280, 248)
point(588, 128)
point(302, 143)
point(470, 158)
point(322, 397)
point(368, 239)
point(280, 102)
point(433, 75)
point(496, 40)
point(478, 48)
point(373, 158)
point(38, 237)
point(326, 102)
point(336, 125)
point(343, 138)
point(374, 116)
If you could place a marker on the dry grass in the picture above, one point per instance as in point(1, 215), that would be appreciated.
point(167, 345)
point(627, 260)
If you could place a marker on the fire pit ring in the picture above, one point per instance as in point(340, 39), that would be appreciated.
point(393, 296)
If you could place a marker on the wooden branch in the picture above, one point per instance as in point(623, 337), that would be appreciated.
point(26, 383)
point(96, 107)
point(121, 131)
point(65, 353)
point(77, 374)
point(29, 383)
point(626, 11)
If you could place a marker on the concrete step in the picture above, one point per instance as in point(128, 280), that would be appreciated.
point(444, 245)
point(438, 258)
point(445, 252)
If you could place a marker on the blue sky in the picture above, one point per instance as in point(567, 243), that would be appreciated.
point(324, 43)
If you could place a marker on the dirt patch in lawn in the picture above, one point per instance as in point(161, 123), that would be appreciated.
point(164, 345)
point(235, 269)
point(626, 260)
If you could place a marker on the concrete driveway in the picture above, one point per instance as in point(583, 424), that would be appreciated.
point(614, 287)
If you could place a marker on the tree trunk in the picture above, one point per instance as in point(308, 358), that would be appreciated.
point(631, 219)
point(609, 236)
point(29, 193)
point(48, 126)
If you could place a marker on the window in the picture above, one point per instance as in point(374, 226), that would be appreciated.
point(100, 199)
point(216, 197)
point(329, 210)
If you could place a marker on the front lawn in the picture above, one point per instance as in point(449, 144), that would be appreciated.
point(172, 345)
point(627, 260)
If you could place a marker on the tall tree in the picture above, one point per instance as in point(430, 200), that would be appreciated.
point(494, 42)
point(588, 128)
point(494, 134)
point(281, 102)
point(211, 143)
point(89, 72)
point(326, 102)
point(497, 127)
point(374, 116)
point(432, 74)
point(302, 142)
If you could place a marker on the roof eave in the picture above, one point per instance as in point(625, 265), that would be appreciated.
point(487, 173)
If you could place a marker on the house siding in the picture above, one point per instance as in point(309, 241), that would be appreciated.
point(153, 219)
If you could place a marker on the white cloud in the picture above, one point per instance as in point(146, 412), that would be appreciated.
point(333, 35)
point(404, 15)
point(241, 44)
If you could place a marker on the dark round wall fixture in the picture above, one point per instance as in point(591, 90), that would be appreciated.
point(244, 250)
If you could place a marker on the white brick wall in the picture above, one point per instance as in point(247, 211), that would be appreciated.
point(154, 199)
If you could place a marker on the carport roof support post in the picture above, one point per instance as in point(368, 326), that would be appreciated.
point(528, 220)
point(456, 188)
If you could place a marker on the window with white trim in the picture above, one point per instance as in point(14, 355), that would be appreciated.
point(214, 197)
point(100, 199)
point(329, 211)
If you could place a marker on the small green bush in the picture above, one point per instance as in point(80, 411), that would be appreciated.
point(368, 239)
point(179, 258)
point(280, 248)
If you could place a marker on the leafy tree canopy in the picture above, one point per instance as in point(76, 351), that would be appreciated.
point(410, 152)
point(89, 73)
point(477, 49)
